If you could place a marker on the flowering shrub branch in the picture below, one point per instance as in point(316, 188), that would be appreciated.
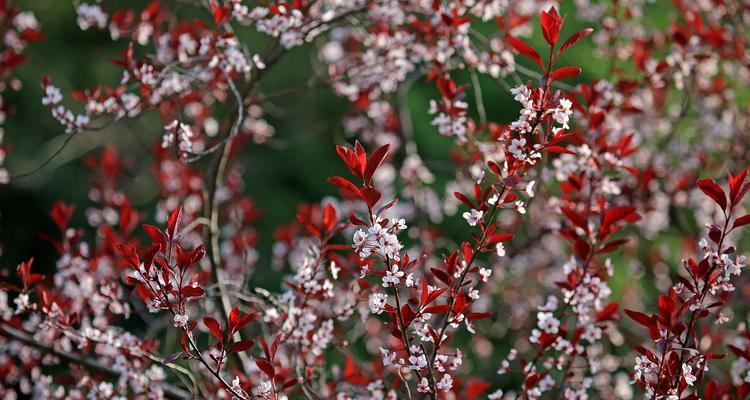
point(568, 212)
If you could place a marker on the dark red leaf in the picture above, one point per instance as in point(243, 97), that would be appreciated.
point(190, 291)
point(741, 221)
point(460, 196)
point(612, 246)
point(441, 275)
point(370, 195)
point(667, 307)
point(478, 315)
point(577, 219)
point(213, 327)
point(714, 191)
point(242, 345)
point(581, 249)
point(266, 367)
point(246, 319)
point(640, 318)
point(290, 382)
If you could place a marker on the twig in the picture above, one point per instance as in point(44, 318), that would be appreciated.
point(47, 160)
point(212, 205)
point(171, 392)
point(478, 97)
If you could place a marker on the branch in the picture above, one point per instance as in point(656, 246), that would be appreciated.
point(212, 205)
point(47, 160)
point(171, 392)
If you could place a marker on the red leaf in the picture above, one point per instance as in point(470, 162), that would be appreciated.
point(741, 221)
point(499, 237)
point(242, 345)
point(266, 367)
point(290, 382)
point(565, 72)
point(344, 184)
point(234, 318)
point(190, 291)
point(640, 318)
point(612, 246)
point(577, 219)
point(374, 162)
point(478, 315)
point(559, 149)
point(737, 188)
point(666, 307)
point(356, 221)
point(616, 214)
point(440, 274)
point(329, 218)
point(435, 294)
point(607, 312)
point(156, 236)
point(581, 249)
point(714, 191)
point(129, 254)
point(460, 196)
point(439, 309)
point(220, 13)
point(475, 388)
point(574, 39)
point(61, 214)
point(350, 368)
point(174, 222)
point(246, 319)
point(352, 161)
point(370, 195)
point(213, 327)
point(551, 24)
point(525, 49)
point(361, 155)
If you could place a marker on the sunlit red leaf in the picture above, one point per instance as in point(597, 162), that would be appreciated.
point(565, 72)
point(525, 49)
point(573, 39)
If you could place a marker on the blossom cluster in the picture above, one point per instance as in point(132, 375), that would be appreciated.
point(510, 267)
